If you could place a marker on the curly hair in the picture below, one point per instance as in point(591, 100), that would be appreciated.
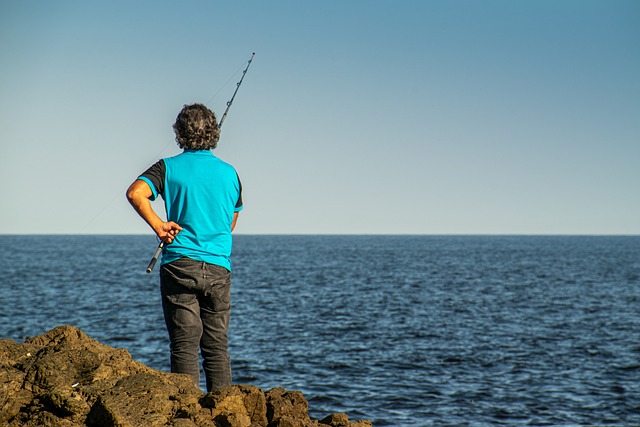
point(196, 128)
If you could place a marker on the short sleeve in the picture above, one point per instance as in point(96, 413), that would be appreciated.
point(154, 176)
point(239, 206)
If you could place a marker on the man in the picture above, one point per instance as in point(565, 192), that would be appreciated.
point(202, 196)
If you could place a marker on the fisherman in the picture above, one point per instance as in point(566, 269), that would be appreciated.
point(202, 196)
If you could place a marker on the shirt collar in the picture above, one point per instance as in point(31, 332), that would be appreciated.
point(200, 152)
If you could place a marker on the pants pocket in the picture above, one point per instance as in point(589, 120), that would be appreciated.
point(218, 288)
point(180, 274)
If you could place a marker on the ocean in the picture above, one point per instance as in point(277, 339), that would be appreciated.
point(401, 330)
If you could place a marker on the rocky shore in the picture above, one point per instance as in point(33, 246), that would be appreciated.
point(63, 378)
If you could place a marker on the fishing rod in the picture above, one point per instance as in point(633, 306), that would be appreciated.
point(156, 255)
point(224, 116)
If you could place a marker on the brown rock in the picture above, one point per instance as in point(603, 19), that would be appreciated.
point(63, 378)
point(336, 420)
point(145, 399)
point(237, 405)
point(342, 420)
point(284, 408)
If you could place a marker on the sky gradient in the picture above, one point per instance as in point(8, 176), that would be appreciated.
point(376, 117)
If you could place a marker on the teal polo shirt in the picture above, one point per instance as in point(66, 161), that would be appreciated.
point(201, 193)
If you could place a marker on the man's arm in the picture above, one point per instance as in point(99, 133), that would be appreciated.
point(235, 219)
point(138, 195)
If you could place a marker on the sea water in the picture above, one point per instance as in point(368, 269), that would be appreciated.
point(401, 330)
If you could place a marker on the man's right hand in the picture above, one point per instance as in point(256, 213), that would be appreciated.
point(168, 231)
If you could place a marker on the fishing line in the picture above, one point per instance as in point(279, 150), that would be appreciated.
point(225, 84)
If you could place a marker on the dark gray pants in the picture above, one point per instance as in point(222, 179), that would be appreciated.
point(196, 303)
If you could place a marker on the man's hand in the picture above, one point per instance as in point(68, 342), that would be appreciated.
point(168, 231)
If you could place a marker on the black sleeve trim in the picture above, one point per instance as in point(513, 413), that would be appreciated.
point(156, 174)
point(239, 202)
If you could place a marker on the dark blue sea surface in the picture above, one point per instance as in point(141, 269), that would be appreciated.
point(402, 330)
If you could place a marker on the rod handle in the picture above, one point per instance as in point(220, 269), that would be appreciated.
point(153, 261)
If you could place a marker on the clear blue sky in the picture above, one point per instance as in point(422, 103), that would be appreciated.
point(426, 117)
